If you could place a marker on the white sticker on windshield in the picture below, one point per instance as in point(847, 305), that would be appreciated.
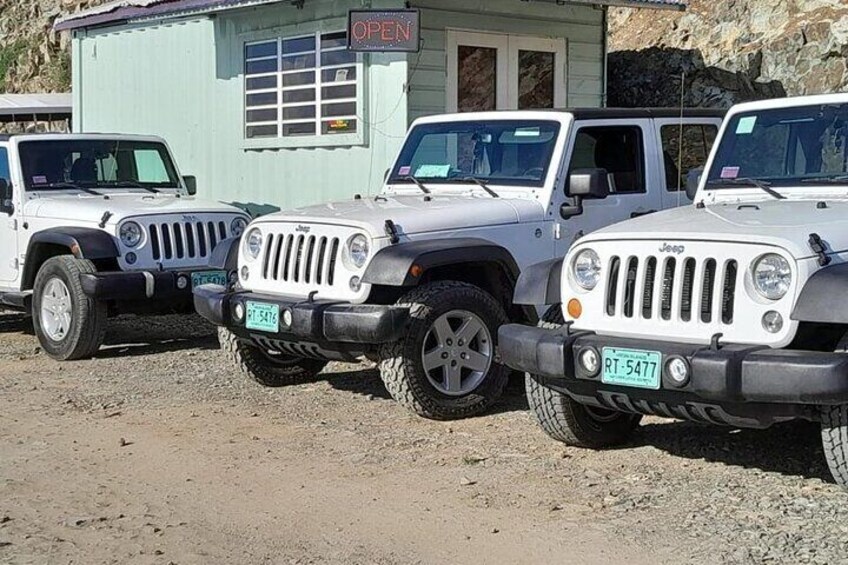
point(39, 179)
point(528, 132)
point(730, 172)
point(433, 171)
point(746, 125)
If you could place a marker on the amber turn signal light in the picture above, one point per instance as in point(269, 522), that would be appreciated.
point(575, 309)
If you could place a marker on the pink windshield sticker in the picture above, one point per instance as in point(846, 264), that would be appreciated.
point(39, 179)
point(403, 171)
point(730, 172)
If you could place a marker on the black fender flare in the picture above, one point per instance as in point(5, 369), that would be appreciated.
point(225, 255)
point(540, 284)
point(820, 299)
point(393, 266)
point(82, 243)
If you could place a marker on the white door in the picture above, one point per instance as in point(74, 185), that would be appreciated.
point(8, 234)
point(478, 70)
point(489, 71)
point(621, 150)
point(537, 73)
point(697, 136)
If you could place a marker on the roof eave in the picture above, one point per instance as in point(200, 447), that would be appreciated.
point(124, 14)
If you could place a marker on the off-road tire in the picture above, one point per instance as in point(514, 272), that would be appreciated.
point(253, 362)
point(401, 365)
point(88, 316)
point(834, 432)
point(568, 421)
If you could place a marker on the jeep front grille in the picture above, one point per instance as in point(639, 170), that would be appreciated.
point(299, 258)
point(185, 240)
point(649, 287)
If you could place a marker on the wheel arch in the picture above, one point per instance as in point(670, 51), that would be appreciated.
point(83, 243)
point(819, 301)
point(476, 261)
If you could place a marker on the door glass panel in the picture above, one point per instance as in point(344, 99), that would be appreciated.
point(535, 79)
point(477, 74)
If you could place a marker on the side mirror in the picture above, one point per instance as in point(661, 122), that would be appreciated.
point(191, 184)
point(584, 184)
point(589, 184)
point(6, 205)
point(693, 179)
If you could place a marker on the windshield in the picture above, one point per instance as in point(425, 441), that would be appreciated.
point(63, 164)
point(798, 146)
point(502, 152)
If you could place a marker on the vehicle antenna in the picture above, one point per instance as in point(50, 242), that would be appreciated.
point(680, 141)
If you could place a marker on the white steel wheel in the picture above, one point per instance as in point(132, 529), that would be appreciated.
point(56, 310)
point(457, 353)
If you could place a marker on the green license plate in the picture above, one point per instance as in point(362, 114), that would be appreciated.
point(631, 367)
point(263, 317)
point(209, 277)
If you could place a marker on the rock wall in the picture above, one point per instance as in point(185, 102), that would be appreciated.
point(730, 50)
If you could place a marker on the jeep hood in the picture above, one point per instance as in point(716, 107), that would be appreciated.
point(88, 208)
point(413, 214)
point(786, 224)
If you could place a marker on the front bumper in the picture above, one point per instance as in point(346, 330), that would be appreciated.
point(733, 384)
point(139, 285)
point(335, 326)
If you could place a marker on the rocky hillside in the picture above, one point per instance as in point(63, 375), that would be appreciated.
point(32, 57)
point(730, 50)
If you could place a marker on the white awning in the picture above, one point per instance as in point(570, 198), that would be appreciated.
point(42, 105)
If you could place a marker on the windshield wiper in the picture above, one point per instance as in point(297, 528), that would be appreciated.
point(827, 180)
point(74, 186)
point(418, 183)
point(133, 184)
point(482, 185)
point(747, 181)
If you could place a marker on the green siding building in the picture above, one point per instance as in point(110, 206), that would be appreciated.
point(264, 104)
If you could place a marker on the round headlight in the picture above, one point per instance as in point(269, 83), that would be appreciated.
point(586, 269)
point(237, 227)
point(772, 276)
point(357, 250)
point(253, 244)
point(131, 234)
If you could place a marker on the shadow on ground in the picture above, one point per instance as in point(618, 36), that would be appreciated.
point(13, 322)
point(792, 449)
point(149, 335)
point(366, 382)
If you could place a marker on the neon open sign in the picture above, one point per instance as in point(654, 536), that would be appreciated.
point(384, 30)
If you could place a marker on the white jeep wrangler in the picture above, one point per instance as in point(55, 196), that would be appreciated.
point(730, 312)
point(421, 277)
point(100, 224)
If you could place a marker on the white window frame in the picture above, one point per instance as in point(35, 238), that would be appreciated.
point(279, 35)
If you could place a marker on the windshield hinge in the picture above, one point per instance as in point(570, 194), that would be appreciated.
point(557, 231)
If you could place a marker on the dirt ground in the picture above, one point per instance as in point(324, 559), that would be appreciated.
point(156, 452)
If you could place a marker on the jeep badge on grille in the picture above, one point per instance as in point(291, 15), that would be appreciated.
point(303, 229)
point(676, 249)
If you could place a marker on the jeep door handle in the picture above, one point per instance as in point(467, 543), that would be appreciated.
point(637, 214)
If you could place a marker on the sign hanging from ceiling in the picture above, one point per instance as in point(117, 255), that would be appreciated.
point(384, 31)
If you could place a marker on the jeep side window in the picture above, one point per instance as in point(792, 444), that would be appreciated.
point(698, 139)
point(618, 149)
point(5, 173)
